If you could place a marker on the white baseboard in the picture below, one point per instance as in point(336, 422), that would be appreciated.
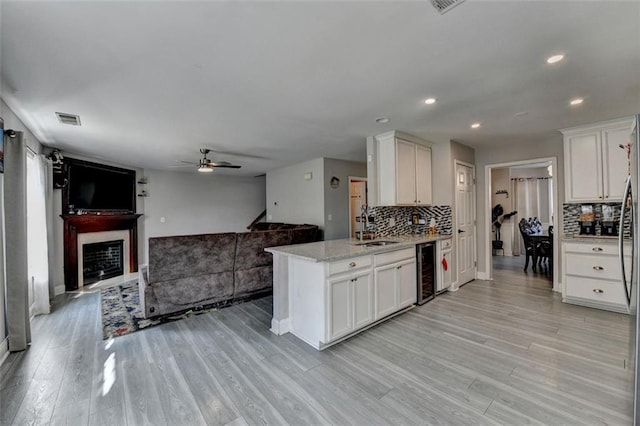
point(482, 276)
point(4, 350)
point(57, 290)
point(280, 327)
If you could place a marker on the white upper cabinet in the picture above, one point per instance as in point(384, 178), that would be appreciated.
point(595, 165)
point(398, 170)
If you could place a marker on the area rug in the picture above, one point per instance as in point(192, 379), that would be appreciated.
point(122, 314)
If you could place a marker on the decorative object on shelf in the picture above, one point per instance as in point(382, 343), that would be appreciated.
point(143, 191)
point(502, 191)
point(57, 163)
point(334, 182)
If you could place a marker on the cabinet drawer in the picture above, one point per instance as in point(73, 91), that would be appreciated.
point(349, 264)
point(596, 290)
point(394, 256)
point(594, 266)
point(595, 248)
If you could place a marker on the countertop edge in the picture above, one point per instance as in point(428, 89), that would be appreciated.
point(402, 243)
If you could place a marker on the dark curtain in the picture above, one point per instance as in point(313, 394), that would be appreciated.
point(15, 217)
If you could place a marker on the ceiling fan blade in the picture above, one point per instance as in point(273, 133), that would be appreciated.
point(226, 166)
point(180, 166)
point(235, 154)
point(187, 162)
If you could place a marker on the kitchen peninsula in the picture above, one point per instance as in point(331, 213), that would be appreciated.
point(327, 291)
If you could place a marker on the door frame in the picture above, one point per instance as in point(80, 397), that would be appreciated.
point(366, 196)
point(556, 212)
point(455, 285)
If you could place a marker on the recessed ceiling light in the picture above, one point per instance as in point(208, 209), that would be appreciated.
point(475, 125)
point(382, 120)
point(577, 101)
point(430, 101)
point(555, 58)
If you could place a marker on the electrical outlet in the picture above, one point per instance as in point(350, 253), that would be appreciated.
point(270, 217)
point(329, 217)
point(392, 222)
point(162, 219)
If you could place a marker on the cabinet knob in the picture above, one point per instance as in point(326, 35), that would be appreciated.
point(398, 267)
point(597, 249)
point(598, 290)
point(354, 280)
point(598, 268)
point(352, 265)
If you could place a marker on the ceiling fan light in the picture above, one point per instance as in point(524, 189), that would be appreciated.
point(205, 169)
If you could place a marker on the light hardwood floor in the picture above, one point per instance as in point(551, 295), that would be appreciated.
point(501, 352)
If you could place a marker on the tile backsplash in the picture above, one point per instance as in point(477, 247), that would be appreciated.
point(402, 217)
point(571, 216)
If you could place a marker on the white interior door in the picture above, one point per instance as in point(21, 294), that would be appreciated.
point(465, 222)
point(357, 199)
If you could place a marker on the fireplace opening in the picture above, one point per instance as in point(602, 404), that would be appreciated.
point(102, 260)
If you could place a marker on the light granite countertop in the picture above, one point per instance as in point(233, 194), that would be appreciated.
point(590, 239)
point(328, 251)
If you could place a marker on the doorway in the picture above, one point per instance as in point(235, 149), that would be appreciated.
point(515, 191)
point(357, 199)
point(465, 222)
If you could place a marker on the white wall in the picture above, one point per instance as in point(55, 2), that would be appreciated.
point(198, 203)
point(292, 199)
point(336, 200)
point(510, 153)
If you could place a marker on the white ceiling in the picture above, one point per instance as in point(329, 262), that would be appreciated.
point(290, 81)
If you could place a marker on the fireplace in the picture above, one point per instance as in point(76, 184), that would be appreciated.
point(88, 229)
point(102, 260)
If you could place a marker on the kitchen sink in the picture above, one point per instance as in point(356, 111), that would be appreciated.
point(376, 243)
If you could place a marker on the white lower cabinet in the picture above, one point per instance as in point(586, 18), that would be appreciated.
point(331, 300)
point(592, 275)
point(395, 282)
point(350, 304)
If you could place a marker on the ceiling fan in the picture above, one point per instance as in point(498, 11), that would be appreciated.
point(206, 165)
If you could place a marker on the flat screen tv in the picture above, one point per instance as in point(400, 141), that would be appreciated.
point(99, 188)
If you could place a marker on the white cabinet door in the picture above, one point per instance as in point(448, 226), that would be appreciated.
point(340, 320)
point(407, 283)
point(362, 287)
point(423, 175)
point(615, 168)
point(405, 172)
point(385, 294)
point(583, 167)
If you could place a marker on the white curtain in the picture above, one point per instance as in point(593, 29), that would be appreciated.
point(37, 243)
point(532, 198)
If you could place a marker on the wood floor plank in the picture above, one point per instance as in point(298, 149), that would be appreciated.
point(248, 400)
point(142, 403)
point(177, 401)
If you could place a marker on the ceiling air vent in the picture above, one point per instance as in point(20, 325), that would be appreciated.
point(71, 119)
point(444, 6)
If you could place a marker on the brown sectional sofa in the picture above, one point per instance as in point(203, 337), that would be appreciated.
point(197, 271)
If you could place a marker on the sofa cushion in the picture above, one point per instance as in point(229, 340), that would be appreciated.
point(250, 247)
point(304, 234)
point(190, 256)
point(253, 280)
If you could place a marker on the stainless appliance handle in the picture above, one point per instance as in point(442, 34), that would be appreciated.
point(623, 208)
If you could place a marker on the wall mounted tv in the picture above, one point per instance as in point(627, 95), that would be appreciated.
point(98, 188)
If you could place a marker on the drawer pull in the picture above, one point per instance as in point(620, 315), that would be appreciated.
point(598, 268)
point(353, 280)
point(597, 249)
point(598, 290)
point(352, 265)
